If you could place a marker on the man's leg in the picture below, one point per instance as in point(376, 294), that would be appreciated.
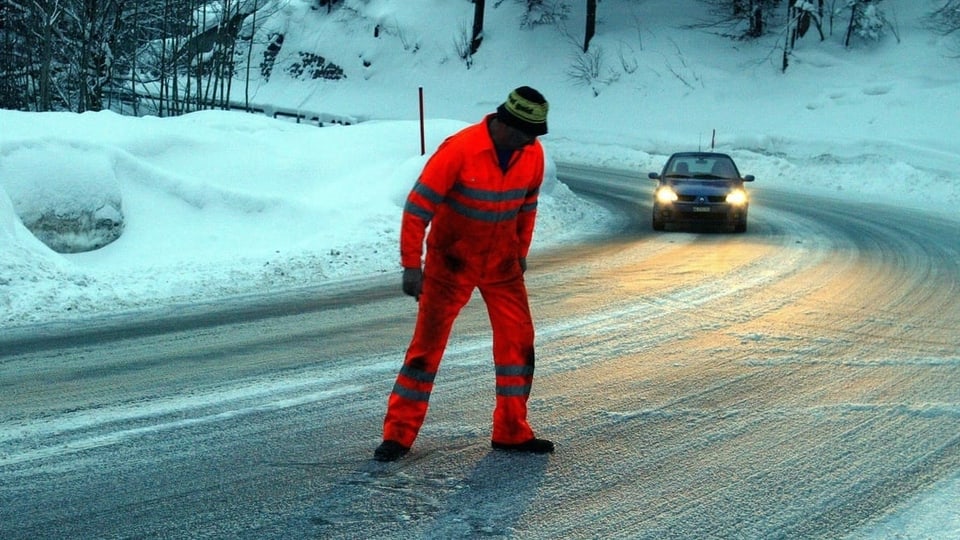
point(440, 303)
point(513, 356)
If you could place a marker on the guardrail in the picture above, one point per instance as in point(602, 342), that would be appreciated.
point(321, 119)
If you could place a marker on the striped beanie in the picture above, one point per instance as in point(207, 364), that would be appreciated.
point(526, 110)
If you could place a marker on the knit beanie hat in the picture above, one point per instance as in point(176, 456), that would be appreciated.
point(526, 110)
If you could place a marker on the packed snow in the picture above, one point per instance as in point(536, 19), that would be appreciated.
point(218, 204)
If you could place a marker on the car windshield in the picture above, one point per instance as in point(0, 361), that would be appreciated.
point(702, 168)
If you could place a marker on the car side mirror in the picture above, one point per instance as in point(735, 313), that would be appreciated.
point(653, 176)
point(749, 178)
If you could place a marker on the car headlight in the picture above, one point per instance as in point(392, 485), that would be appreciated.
point(737, 197)
point(666, 195)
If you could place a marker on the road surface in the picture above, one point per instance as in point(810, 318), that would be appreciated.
point(797, 381)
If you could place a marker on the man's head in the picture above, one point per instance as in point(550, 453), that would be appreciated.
point(525, 109)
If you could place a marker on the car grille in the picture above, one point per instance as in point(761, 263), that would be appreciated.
point(693, 198)
point(702, 216)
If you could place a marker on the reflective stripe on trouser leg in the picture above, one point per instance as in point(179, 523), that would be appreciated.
point(513, 357)
point(440, 302)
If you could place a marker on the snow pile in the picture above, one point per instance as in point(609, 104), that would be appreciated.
point(72, 203)
point(216, 204)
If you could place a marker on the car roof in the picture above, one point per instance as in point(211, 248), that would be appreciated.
point(700, 155)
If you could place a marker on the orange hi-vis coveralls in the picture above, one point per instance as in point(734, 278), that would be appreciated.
point(481, 222)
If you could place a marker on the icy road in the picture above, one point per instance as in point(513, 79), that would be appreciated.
point(797, 381)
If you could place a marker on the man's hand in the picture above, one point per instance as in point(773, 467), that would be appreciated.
point(523, 264)
point(412, 282)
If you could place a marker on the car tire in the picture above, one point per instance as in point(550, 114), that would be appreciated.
point(658, 225)
point(740, 227)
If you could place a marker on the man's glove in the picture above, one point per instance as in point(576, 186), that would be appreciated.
point(412, 282)
point(523, 264)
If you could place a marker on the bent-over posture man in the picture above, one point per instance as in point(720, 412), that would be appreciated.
point(478, 193)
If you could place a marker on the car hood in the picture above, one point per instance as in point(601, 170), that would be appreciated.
point(703, 187)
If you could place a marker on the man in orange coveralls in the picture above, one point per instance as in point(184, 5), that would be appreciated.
point(478, 193)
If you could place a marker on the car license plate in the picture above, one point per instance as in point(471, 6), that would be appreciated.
point(701, 208)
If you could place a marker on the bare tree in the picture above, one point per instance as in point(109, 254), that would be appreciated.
point(946, 18)
point(755, 13)
point(47, 16)
point(477, 35)
point(591, 24)
point(15, 56)
point(68, 54)
point(800, 15)
point(328, 3)
point(246, 86)
point(740, 19)
point(867, 20)
point(93, 30)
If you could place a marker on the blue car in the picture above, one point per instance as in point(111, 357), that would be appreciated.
point(701, 188)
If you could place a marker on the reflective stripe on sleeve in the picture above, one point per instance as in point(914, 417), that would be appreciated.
point(417, 210)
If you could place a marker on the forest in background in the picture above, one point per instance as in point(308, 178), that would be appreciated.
point(170, 57)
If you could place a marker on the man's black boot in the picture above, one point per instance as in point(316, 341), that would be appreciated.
point(390, 451)
point(533, 446)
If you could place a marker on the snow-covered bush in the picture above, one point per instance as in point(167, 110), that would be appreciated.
point(70, 210)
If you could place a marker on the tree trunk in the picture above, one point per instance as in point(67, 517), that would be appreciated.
point(850, 25)
point(253, 34)
point(756, 21)
point(477, 37)
point(133, 64)
point(48, 18)
point(591, 24)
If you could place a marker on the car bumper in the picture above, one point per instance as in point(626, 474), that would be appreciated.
point(692, 213)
